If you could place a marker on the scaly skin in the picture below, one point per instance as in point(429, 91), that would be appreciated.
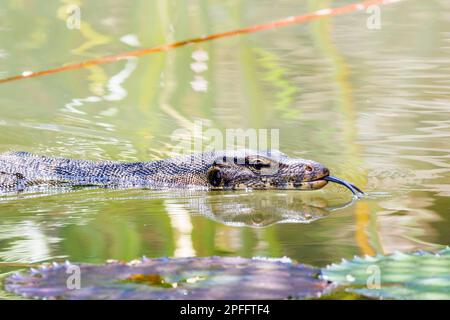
point(218, 170)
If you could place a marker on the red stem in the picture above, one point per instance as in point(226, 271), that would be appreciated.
point(161, 48)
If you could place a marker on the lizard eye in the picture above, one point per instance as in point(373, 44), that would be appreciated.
point(258, 164)
point(214, 176)
point(308, 168)
point(257, 219)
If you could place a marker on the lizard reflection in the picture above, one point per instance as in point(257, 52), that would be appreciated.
point(263, 209)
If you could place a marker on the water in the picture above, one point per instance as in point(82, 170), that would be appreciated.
point(373, 105)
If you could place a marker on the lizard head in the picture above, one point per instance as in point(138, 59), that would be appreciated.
point(244, 169)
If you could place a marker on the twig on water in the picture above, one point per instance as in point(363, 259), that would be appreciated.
point(166, 47)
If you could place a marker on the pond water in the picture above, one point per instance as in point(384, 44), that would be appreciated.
point(372, 105)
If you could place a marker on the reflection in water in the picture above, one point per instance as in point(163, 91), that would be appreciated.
point(182, 226)
point(26, 242)
point(77, 112)
point(412, 218)
point(79, 102)
point(371, 105)
point(129, 223)
point(3, 54)
point(263, 209)
point(200, 57)
point(91, 36)
point(131, 40)
point(30, 240)
point(235, 208)
point(117, 92)
point(362, 216)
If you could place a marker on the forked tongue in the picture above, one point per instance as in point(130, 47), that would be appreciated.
point(354, 189)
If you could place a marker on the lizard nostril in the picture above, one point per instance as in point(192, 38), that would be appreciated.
point(326, 172)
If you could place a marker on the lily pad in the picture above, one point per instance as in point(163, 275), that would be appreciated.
point(419, 275)
point(164, 278)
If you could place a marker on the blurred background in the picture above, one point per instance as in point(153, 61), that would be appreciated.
point(372, 105)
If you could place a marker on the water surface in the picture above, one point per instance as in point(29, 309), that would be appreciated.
point(373, 105)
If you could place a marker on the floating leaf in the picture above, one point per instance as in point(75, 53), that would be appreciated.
point(183, 278)
point(420, 275)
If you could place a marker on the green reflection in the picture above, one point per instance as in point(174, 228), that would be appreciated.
point(371, 105)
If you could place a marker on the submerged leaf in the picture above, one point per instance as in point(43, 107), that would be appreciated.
point(182, 278)
point(420, 275)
